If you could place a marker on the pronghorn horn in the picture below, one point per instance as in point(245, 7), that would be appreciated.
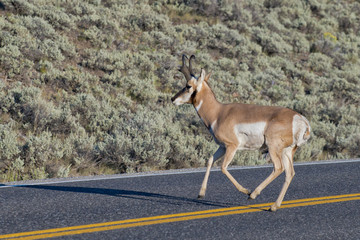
point(184, 69)
point(190, 66)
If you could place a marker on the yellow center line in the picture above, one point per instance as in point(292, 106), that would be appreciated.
point(97, 227)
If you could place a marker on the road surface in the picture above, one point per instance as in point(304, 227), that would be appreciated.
point(323, 202)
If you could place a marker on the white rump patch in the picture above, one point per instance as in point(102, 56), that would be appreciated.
point(250, 135)
point(299, 127)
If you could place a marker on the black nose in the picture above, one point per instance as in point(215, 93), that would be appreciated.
point(172, 99)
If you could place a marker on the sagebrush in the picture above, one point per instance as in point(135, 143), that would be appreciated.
point(85, 85)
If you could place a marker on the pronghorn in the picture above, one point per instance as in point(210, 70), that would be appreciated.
point(238, 126)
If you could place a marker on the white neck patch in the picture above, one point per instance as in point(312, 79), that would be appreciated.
point(198, 88)
point(199, 106)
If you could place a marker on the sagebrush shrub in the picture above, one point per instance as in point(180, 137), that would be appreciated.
point(85, 86)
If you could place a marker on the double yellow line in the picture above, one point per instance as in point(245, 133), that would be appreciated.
point(98, 227)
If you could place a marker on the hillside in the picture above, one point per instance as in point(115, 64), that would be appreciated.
point(86, 85)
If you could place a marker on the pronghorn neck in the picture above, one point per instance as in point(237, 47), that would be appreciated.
point(206, 105)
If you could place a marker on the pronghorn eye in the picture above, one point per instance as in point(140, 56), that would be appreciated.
point(188, 86)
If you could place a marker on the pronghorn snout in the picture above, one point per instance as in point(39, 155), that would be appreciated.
point(177, 99)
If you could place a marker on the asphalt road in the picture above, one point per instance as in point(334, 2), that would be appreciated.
point(83, 203)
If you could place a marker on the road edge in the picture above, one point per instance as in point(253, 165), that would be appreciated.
point(157, 173)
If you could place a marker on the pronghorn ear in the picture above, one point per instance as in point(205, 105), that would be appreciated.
point(200, 80)
point(202, 77)
point(207, 77)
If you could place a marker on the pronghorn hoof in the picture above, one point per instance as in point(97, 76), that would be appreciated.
point(200, 196)
point(252, 196)
point(273, 208)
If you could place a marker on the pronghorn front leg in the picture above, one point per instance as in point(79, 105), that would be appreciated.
point(229, 155)
point(218, 154)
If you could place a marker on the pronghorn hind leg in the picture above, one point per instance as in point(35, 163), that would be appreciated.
point(275, 155)
point(287, 159)
point(218, 154)
point(229, 155)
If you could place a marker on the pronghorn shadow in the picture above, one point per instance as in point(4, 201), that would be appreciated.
point(136, 195)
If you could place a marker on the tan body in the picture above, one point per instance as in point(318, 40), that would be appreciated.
point(239, 126)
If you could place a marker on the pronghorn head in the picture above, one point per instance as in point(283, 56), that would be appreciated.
point(193, 84)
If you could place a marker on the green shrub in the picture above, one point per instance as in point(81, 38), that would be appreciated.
point(9, 148)
point(85, 86)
